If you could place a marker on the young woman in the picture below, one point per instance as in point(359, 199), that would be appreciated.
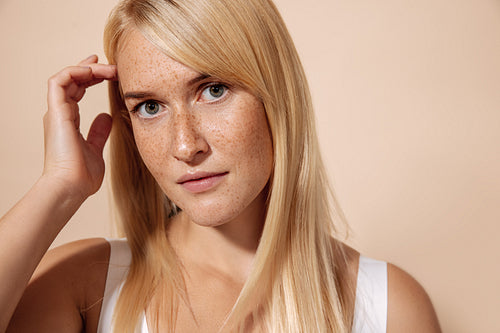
point(219, 184)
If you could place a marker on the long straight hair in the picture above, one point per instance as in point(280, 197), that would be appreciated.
point(300, 268)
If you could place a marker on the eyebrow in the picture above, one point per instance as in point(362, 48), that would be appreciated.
point(137, 95)
point(197, 79)
point(142, 95)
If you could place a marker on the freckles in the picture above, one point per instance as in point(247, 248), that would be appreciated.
point(150, 146)
point(257, 136)
point(219, 136)
point(246, 137)
point(139, 63)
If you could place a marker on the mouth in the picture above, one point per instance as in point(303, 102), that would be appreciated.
point(201, 181)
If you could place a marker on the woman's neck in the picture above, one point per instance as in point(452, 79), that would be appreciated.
point(228, 248)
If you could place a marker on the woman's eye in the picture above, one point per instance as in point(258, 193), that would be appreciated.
point(148, 108)
point(213, 92)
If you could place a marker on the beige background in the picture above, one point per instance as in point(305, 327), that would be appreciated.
point(408, 106)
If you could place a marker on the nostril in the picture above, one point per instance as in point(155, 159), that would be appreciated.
point(187, 151)
point(188, 141)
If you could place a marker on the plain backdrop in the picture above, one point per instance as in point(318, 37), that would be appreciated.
point(407, 95)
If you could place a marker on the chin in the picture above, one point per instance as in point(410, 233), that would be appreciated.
point(209, 218)
point(213, 214)
point(214, 211)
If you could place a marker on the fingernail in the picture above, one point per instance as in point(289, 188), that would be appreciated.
point(90, 56)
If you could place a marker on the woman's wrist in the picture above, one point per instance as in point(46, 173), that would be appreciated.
point(66, 196)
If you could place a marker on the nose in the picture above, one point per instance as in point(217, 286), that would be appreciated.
point(188, 143)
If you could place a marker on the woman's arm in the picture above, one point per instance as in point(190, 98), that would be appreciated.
point(73, 170)
point(66, 291)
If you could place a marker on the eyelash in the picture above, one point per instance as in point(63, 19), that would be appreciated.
point(202, 88)
point(215, 84)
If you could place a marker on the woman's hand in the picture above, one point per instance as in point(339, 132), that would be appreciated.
point(73, 170)
point(73, 162)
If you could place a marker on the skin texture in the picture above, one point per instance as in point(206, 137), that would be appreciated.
point(65, 293)
point(193, 133)
point(215, 236)
point(73, 170)
point(217, 232)
point(410, 308)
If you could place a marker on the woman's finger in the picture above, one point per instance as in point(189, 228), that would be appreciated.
point(99, 131)
point(103, 71)
point(92, 59)
point(67, 82)
point(64, 83)
point(83, 74)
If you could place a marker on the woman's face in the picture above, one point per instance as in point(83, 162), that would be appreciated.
point(206, 143)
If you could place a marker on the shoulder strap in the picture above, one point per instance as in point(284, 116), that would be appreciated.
point(119, 262)
point(370, 312)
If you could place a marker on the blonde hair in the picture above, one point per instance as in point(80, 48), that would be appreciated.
point(299, 268)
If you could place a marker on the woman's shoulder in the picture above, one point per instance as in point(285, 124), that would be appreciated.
point(79, 250)
point(409, 306)
point(78, 261)
point(65, 292)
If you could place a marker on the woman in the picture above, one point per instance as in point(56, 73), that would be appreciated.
point(219, 184)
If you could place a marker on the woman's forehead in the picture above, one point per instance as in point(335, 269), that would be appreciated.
point(140, 63)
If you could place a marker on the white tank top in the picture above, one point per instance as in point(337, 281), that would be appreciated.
point(370, 312)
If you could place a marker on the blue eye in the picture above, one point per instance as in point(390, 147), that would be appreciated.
point(214, 92)
point(148, 108)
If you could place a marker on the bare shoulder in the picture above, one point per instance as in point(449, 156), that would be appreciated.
point(65, 291)
point(409, 307)
point(72, 256)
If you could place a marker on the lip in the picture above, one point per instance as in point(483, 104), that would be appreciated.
point(201, 181)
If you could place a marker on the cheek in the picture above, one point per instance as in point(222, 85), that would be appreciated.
point(259, 146)
point(251, 145)
point(151, 147)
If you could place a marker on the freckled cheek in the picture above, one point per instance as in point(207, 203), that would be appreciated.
point(251, 144)
point(152, 148)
